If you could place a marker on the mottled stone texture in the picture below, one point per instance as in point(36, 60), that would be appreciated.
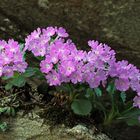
point(31, 127)
point(115, 22)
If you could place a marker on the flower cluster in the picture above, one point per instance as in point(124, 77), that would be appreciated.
point(11, 58)
point(126, 76)
point(63, 62)
point(39, 40)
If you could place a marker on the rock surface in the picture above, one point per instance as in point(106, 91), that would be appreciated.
point(32, 127)
point(116, 23)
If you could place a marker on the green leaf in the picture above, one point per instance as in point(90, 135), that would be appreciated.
point(29, 72)
point(89, 93)
point(19, 81)
point(13, 113)
point(5, 78)
point(123, 96)
point(131, 113)
point(21, 46)
point(133, 121)
point(111, 88)
point(81, 106)
point(130, 116)
point(3, 126)
point(16, 80)
point(16, 75)
point(8, 86)
point(39, 74)
point(98, 91)
point(2, 109)
point(8, 111)
point(65, 88)
point(40, 58)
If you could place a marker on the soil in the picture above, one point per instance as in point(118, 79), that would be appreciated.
point(122, 131)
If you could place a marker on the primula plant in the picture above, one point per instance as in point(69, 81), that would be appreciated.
point(12, 62)
point(93, 80)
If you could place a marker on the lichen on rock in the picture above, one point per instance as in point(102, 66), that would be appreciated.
point(32, 127)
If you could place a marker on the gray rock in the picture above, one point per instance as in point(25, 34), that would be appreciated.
point(82, 132)
point(32, 127)
point(43, 3)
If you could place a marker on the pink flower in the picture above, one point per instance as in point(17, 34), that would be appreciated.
point(136, 101)
point(62, 32)
point(66, 68)
point(45, 66)
point(122, 84)
point(20, 66)
point(12, 46)
point(8, 71)
point(1, 70)
point(11, 58)
point(50, 31)
point(53, 78)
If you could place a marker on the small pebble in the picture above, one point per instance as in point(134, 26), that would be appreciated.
point(2, 29)
point(6, 20)
point(11, 27)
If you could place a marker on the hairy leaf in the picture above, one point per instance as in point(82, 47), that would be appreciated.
point(81, 106)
